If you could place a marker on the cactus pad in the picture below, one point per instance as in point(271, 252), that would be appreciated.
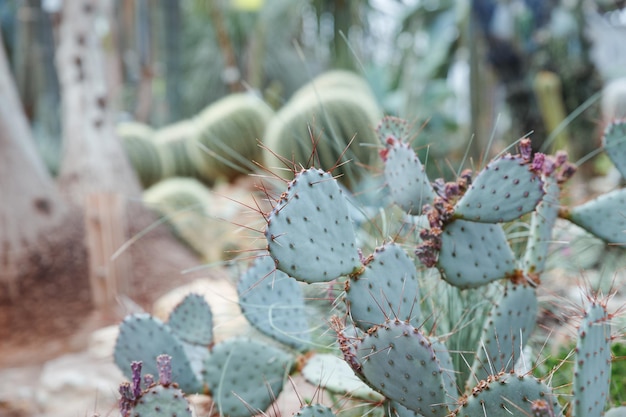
point(142, 338)
point(604, 216)
point(592, 370)
point(506, 331)
point(162, 401)
point(392, 128)
point(273, 303)
point(387, 288)
point(503, 191)
point(614, 141)
point(473, 254)
point(542, 222)
point(192, 320)
point(407, 180)
point(399, 361)
point(309, 231)
point(244, 375)
point(316, 410)
point(508, 395)
point(334, 374)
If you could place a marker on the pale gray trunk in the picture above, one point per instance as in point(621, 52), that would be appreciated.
point(30, 205)
point(93, 158)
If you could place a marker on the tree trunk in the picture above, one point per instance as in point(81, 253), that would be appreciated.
point(30, 205)
point(93, 159)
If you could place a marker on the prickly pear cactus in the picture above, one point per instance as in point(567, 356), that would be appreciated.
point(592, 370)
point(503, 191)
point(404, 173)
point(142, 338)
point(474, 254)
point(273, 303)
point(315, 410)
point(614, 142)
point(398, 361)
point(334, 374)
point(604, 216)
point(192, 320)
point(387, 288)
point(506, 330)
point(244, 376)
point(542, 223)
point(312, 218)
point(162, 398)
point(508, 395)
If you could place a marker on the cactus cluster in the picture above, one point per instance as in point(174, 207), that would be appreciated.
point(390, 352)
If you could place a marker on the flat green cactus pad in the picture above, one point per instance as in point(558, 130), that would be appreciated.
point(605, 216)
point(192, 320)
point(162, 401)
point(508, 395)
point(506, 331)
point(614, 141)
point(503, 191)
point(142, 338)
point(406, 178)
point(273, 303)
point(387, 288)
point(399, 362)
point(541, 224)
point(474, 254)
point(244, 375)
point(592, 369)
point(310, 233)
point(316, 410)
point(334, 374)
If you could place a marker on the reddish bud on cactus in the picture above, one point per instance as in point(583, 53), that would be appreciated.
point(136, 369)
point(525, 149)
point(164, 363)
point(537, 164)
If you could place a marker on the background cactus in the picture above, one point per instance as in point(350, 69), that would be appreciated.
point(145, 156)
point(315, 127)
point(227, 136)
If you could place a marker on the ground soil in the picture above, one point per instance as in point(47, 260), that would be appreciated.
point(54, 314)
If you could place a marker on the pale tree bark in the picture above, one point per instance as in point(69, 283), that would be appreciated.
point(93, 158)
point(30, 206)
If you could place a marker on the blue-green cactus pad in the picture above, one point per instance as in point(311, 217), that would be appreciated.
point(503, 191)
point(507, 395)
point(392, 128)
point(309, 231)
point(143, 338)
point(192, 320)
point(474, 254)
point(447, 366)
point(604, 216)
point(334, 374)
point(614, 142)
point(542, 222)
point(162, 401)
point(592, 369)
point(387, 288)
point(399, 362)
point(506, 331)
point(315, 410)
point(406, 178)
point(273, 303)
point(616, 412)
point(244, 375)
point(395, 409)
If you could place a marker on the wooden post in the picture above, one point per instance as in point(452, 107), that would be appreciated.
point(106, 226)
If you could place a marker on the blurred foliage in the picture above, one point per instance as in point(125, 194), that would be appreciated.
point(460, 70)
